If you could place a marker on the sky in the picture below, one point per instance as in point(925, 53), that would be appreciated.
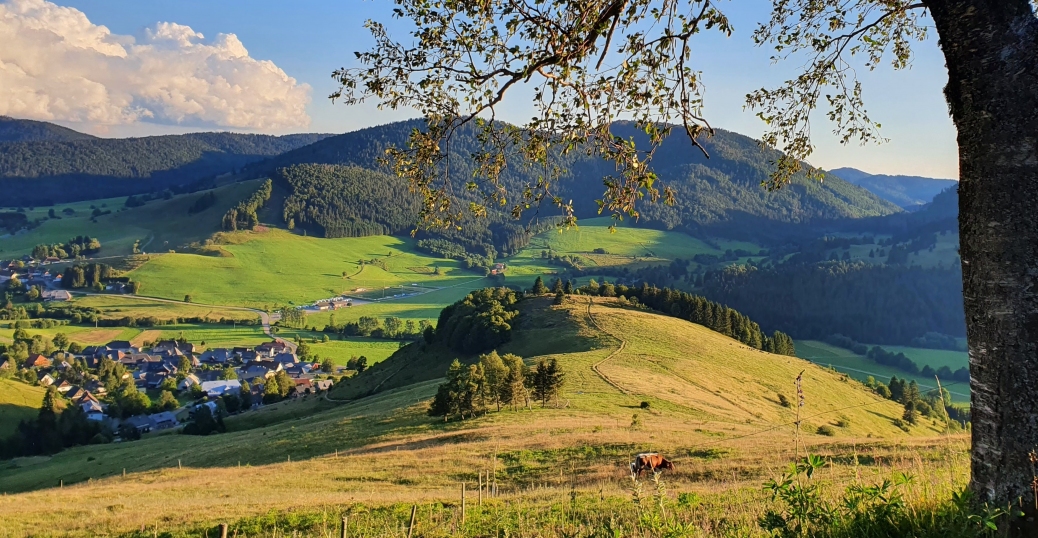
point(136, 68)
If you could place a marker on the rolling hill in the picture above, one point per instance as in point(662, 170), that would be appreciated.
point(18, 402)
point(711, 404)
point(44, 164)
point(909, 192)
point(717, 196)
point(15, 130)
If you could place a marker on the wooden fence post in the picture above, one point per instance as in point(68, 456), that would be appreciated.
point(223, 530)
point(481, 488)
point(345, 521)
point(410, 528)
point(462, 503)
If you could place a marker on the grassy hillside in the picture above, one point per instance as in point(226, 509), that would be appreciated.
point(18, 402)
point(861, 368)
point(159, 225)
point(713, 409)
point(275, 267)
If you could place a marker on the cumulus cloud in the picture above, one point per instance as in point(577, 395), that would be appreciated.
point(57, 65)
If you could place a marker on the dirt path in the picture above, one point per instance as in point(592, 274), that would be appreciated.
point(617, 351)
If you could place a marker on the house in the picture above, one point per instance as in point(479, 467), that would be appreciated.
point(215, 389)
point(37, 361)
point(121, 345)
point(62, 366)
point(57, 295)
point(211, 405)
point(5, 364)
point(322, 384)
point(78, 395)
point(95, 387)
point(255, 372)
point(45, 379)
point(93, 351)
point(189, 381)
point(164, 420)
point(270, 349)
point(296, 371)
point(247, 356)
point(142, 423)
point(208, 375)
point(304, 386)
point(64, 387)
point(93, 410)
point(217, 356)
point(286, 358)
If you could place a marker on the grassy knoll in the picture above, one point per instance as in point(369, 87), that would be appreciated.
point(340, 351)
point(18, 401)
point(713, 408)
point(860, 367)
point(274, 268)
point(160, 225)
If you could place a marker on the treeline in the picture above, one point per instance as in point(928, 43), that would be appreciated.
point(94, 275)
point(391, 327)
point(53, 430)
point(934, 404)
point(73, 248)
point(897, 360)
point(244, 215)
point(48, 172)
point(481, 321)
point(696, 309)
point(496, 381)
point(452, 250)
point(866, 302)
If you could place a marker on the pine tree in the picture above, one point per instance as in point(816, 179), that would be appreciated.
point(538, 287)
point(496, 373)
point(911, 415)
point(513, 389)
point(556, 286)
point(567, 288)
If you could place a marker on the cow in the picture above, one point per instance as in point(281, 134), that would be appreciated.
point(650, 461)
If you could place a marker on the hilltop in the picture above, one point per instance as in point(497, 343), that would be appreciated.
point(16, 130)
point(711, 403)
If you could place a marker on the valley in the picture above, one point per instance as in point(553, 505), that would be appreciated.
point(185, 269)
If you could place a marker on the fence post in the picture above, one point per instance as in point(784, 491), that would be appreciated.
point(481, 488)
point(410, 528)
point(345, 521)
point(223, 530)
point(462, 503)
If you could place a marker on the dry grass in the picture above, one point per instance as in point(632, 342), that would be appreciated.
point(713, 411)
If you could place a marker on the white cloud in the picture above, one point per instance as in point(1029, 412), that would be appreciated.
point(57, 65)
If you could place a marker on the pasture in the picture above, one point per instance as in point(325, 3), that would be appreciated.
point(860, 367)
point(159, 225)
point(712, 407)
point(18, 402)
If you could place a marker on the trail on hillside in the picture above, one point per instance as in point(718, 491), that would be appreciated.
point(617, 351)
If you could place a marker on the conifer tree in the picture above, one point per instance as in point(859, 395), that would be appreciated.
point(538, 287)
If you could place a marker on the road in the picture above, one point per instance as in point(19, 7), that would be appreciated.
point(265, 318)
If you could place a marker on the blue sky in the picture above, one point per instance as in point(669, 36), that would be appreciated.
point(307, 39)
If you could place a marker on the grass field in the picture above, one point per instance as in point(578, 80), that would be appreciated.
point(159, 225)
point(860, 367)
point(276, 268)
point(18, 402)
point(120, 306)
point(713, 408)
point(340, 351)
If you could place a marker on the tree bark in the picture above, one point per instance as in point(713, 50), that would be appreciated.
point(991, 50)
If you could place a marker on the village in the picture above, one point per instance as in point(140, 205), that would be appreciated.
point(175, 375)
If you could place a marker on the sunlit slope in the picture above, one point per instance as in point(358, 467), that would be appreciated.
point(275, 267)
point(18, 401)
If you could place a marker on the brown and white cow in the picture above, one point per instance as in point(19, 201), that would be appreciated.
point(650, 461)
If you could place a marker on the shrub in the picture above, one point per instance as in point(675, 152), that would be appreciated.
point(783, 400)
point(645, 405)
point(826, 430)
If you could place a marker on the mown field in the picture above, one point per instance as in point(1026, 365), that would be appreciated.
point(860, 367)
point(712, 407)
point(159, 225)
point(18, 402)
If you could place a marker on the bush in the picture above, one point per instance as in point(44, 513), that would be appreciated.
point(783, 401)
point(826, 430)
point(645, 405)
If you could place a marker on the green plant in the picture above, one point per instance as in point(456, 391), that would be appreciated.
point(803, 508)
point(688, 499)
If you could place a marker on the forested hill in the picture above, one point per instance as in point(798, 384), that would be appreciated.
point(43, 172)
point(15, 130)
point(718, 196)
point(910, 192)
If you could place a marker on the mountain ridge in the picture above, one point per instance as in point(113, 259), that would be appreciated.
point(909, 192)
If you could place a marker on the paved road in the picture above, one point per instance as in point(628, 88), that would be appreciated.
point(265, 318)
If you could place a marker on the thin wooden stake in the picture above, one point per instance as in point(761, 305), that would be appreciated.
point(223, 530)
point(178, 465)
point(462, 503)
point(410, 528)
point(345, 521)
point(481, 488)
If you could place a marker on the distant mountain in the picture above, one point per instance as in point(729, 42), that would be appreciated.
point(15, 130)
point(56, 170)
point(719, 196)
point(909, 192)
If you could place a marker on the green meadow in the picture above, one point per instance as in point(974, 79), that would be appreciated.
point(18, 402)
point(159, 225)
point(860, 367)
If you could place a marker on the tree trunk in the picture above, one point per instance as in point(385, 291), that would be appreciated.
point(991, 50)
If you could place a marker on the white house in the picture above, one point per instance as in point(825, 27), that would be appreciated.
point(188, 382)
point(216, 389)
